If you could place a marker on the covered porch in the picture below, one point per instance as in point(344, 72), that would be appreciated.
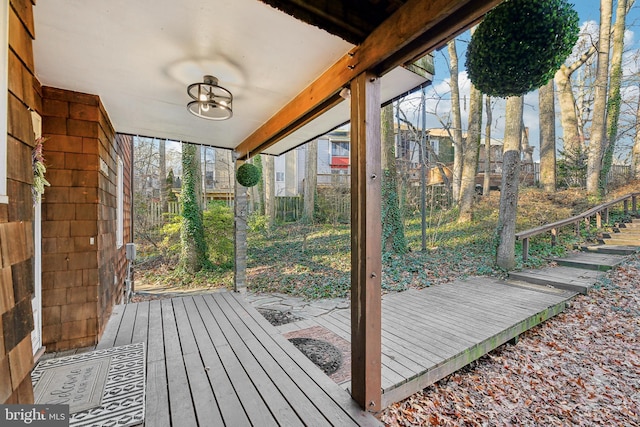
point(291, 82)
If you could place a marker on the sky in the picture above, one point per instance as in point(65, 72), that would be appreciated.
point(438, 93)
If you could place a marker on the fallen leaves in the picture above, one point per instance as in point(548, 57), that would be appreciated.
point(580, 368)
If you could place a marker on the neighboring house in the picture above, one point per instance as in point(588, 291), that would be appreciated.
point(62, 262)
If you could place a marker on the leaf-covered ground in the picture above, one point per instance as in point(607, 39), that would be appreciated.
point(580, 368)
point(314, 261)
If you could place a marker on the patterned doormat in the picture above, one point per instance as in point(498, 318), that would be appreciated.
point(102, 387)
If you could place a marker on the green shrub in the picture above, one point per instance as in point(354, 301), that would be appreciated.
point(218, 228)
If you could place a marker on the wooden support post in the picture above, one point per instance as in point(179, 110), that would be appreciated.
point(525, 249)
point(599, 220)
point(239, 234)
point(606, 215)
point(366, 246)
point(577, 228)
point(626, 207)
point(634, 205)
point(554, 236)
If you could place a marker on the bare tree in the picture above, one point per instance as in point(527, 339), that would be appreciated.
point(456, 118)
point(310, 179)
point(164, 202)
point(470, 155)
point(505, 253)
point(569, 117)
point(598, 140)
point(547, 137)
point(486, 182)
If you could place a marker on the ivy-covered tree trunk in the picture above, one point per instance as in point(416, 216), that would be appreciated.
point(310, 180)
point(194, 256)
point(598, 141)
point(470, 157)
point(635, 152)
point(615, 81)
point(393, 238)
point(547, 137)
point(456, 121)
point(505, 253)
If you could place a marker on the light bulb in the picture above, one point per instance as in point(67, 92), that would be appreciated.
point(204, 105)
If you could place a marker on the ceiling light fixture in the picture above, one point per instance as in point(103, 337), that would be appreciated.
point(210, 101)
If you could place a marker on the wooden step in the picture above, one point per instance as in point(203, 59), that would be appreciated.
point(620, 241)
point(626, 231)
point(590, 261)
point(608, 249)
point(629, 225)
point(569, 278)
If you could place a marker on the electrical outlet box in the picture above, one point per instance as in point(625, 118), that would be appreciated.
point(131, 251)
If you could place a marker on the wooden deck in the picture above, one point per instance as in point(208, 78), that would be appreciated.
point(431, 333)
point(213, 360)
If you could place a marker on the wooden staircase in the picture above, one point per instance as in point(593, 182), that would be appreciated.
point(580, 271)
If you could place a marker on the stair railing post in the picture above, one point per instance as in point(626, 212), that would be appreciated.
point(554, 236)
point(634, 204)
point(525, 249)
point(626, 207)
point(577, 228)
point(599, 219)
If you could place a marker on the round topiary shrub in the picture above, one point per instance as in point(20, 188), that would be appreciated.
point(520, 45)
point(248, 175)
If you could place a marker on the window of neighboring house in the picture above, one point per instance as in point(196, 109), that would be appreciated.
point(340, 149)
point(120, 204)
point(279, 176)
point(4, 89)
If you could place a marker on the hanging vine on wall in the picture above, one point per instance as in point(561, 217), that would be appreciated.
point(520, 45)
point(39, 170)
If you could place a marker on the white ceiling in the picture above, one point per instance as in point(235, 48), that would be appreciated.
point(139, 56)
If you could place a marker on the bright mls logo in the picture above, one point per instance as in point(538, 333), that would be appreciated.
point(34, 415)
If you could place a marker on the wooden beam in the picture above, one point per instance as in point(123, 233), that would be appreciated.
point(366, 246)
point(415, 29)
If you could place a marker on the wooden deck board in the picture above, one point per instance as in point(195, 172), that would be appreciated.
point(228, 402)
point(125, 332)
point(303, 370)
point(214, 360)
point(274, 400)
point(432, 332)
point(108, 338)
point(257, 411)
point(180, 406)
point(141, 329)
point(304, 406)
